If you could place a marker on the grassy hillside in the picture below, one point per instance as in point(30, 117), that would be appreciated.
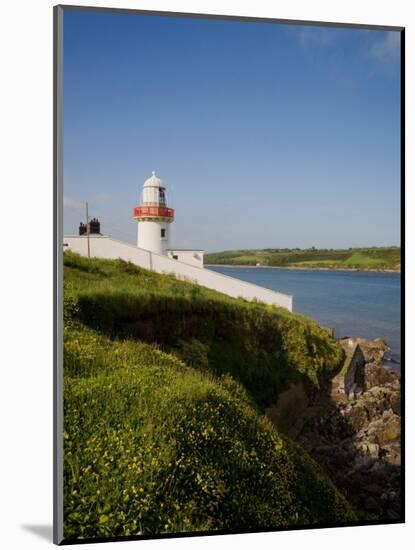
point(163, 433)
point(264, 347)
point(385, 258)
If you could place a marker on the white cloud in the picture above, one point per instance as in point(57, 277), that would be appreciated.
point(311, 35)
point(75, 204)
point(386, 50)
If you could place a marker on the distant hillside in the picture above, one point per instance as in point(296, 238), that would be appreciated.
point(382, 258)
point(165, 385)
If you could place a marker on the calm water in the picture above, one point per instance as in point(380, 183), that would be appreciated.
point(353, 303)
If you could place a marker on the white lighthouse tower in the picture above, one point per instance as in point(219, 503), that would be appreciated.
point(153, 217)
point(154, 220)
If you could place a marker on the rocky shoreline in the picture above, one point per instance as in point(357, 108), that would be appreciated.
point(352, 429)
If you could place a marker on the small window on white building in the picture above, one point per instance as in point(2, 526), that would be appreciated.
point(175, 257)
point(163, 233)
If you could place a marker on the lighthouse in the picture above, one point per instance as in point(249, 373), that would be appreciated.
point(152, 252)
point(153, 217)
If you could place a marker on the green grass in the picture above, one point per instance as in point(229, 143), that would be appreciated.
point(165, 434)
point(382, 258)
point(266, 348)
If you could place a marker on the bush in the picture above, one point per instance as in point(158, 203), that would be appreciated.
point(266, 348)
point(194, 353)
point(152, 446)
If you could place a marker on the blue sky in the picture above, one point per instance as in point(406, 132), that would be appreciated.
point(266, 135)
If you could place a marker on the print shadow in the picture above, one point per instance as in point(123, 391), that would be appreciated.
point(44, 532)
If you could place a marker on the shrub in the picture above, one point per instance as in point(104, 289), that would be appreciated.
point(152, 446)
point(164, 382)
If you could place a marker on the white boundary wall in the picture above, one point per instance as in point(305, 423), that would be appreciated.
point(106, 247)
point(191, 257)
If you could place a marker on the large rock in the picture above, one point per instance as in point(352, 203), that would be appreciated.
point(374, 405)
point(365, 369)
point(379, 399)
point(373, 350)
point(355, 430)
point(374, 374)
point(370, 449)
point(392, 453)
point(386, 429)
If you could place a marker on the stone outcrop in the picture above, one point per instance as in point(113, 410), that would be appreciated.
point(353, 430)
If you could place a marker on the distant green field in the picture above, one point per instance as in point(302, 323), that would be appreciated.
point(383, 258)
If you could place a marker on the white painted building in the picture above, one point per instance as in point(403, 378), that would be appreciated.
point(152, 252)
point(153, 217)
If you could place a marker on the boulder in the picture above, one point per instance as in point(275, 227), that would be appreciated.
point(355, 434)
point(372, 406)
point(387, 414)
point(369, 449)
point(391, 431)
point(386, 429)
point(395, 402)
point(392, 453)
point(373, 350)
point(374, 374)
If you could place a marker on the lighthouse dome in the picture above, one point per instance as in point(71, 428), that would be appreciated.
point(153, 181)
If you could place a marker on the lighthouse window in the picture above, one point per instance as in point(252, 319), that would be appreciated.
point(163, 233)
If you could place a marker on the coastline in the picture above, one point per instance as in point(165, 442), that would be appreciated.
point(352, 269)
point(352, 428)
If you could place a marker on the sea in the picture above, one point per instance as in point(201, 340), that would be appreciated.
point(353, 303)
